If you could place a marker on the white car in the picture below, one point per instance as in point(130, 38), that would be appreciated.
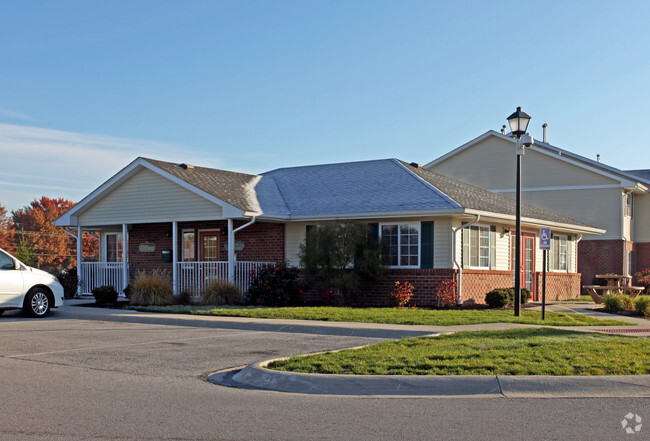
point(31, 289)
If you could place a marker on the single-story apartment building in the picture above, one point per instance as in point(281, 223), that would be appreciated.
point(199, 223)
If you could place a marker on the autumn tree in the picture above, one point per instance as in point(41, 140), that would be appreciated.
point(6, 231)
point(52, 246)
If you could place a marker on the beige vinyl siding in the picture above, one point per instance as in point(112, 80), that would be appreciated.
point(641, 218)
point(148, 197)
point(442, 239)
point(599, 208)
point(502, 249)
point(627, 228)
point(294, 235)
point(491, 164)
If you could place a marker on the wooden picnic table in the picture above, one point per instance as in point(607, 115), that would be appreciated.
point(615, 283)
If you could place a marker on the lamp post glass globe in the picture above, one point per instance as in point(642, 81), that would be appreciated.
point(518, 122)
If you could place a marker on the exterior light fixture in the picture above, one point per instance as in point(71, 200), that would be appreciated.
point(518, 123)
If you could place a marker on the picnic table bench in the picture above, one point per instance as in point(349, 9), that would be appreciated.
point(615, 283)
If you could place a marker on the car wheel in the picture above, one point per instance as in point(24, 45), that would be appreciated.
point(37, 303)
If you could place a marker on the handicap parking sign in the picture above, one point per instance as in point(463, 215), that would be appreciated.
point(544, 238)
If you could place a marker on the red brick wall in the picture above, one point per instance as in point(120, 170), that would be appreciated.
point(477, 283)
point(559, 286)
point(599, 257)
point(425, 282)
point(641, 256)
point(262, 242)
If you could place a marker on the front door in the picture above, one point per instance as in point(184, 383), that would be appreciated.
point(527, 261)
point(209, 246)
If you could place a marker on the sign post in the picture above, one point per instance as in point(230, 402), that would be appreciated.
point(545, 245)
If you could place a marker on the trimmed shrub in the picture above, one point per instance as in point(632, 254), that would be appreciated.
point(642, 306)
point(616, 302)
point(183, 298)
point(69, 280)
point(221, 292)
point(275, 285)
point(151, 288)
point(502, 297)
point(105, 294)
point(498, 298)
point(401, 294)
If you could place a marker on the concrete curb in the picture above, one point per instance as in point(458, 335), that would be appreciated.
point(256, 376)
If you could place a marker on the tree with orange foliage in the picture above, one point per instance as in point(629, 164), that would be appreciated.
point(6, 231)
point(53, 247)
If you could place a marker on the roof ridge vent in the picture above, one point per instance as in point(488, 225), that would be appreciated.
point(186, 166)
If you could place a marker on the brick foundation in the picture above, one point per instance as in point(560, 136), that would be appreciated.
point(559, 286)
point(477, 283)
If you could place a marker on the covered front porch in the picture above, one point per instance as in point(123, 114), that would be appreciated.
point(190, 253)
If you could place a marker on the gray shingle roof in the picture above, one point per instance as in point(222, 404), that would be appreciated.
point(643, 174)
point(237, 189)
point(376, 186)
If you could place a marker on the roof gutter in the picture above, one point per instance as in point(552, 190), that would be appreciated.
point(453, 247)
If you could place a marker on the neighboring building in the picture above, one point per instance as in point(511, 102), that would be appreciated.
point(200, 223)
point(569, 184)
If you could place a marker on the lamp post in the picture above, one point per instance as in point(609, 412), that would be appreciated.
point(518, 124)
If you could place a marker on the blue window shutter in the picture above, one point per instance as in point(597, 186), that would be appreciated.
point(426, 244)
point(374, 230)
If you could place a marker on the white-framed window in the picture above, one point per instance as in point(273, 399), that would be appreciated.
point(189, 246)
point(559, 253)
point(478, 246)
point(629, 205)
point(114, 245)
point(403, 244)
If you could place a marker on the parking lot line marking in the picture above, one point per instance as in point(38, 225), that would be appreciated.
point(133, 344)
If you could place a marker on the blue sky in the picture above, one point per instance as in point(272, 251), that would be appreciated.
point(88, 86)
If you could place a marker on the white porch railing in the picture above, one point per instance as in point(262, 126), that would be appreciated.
point(194, 276)
point(96, 274)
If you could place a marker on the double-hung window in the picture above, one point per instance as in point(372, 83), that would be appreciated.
point(559, 250)
point(478, 246)
point(402, 244)
point(113, 247)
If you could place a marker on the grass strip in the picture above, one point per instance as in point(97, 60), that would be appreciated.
point(391, 315)
point(526, 351)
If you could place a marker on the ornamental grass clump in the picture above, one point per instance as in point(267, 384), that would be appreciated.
point(221, 292)
point(151, 288)
point(401, 294)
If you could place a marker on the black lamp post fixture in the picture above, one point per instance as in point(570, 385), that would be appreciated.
point(518, 124)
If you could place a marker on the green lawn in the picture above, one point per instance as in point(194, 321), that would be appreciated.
point(390, 315)
point(526, 351)
point(583, 298)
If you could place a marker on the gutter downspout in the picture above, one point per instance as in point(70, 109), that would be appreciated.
point(625, 268)
point(460, 267)
point(578, 239)
point(231, 246)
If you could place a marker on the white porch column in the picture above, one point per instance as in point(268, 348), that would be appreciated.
point(79, 259)
point(175, 257)
point(125, 256)
point(231, 252)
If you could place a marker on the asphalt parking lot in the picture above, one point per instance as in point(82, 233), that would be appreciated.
point(88, 374)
